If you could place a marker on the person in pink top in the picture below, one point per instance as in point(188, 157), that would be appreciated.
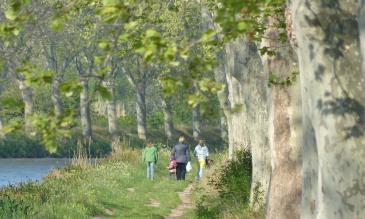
point(172, 167)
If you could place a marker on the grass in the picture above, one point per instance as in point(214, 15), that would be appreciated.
point(115, 188)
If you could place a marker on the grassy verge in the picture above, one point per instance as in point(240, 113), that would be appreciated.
point(115, 188)
point(224, 191)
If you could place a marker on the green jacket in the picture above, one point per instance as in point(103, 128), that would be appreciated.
point(150, 154)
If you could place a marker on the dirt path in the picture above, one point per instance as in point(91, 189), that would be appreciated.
point(186, 203)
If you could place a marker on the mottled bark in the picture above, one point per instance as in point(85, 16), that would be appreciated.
point(85, 110)
point(196, 122)
point(112, 114)
point(333, 109)
point(27, 96)
point(248, 117)
point(59, 68)
point(56, 96)
point(168, 119)
point(285, 131)
point(141, 109)
point(225, 121)
point(223, 126)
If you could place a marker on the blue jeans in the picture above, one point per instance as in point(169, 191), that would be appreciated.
point(150, 169)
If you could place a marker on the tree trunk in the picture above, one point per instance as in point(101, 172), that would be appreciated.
point(27, 96)
point(2, 134)
point(223, 126)
point(333, 99)
point(112, 115)
point(196, 122)
point(220, 74)
point(248, 117)
point(284, 131)
point(141, 109)
point(56, 96)
point(85, 110)
point(361, 20)
point(168, 121)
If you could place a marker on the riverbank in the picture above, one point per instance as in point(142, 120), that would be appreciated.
point(115, 187)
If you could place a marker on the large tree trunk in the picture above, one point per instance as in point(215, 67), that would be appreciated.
point(285, 131)
point(244, 102)
point(27, 96)
point(333, 109)
point(141, 109)
point(220, 74)
point(85, 110)
point(248, 118)
point(196, 122)
point(168, 119)
point(112, 115)
point(56, 96)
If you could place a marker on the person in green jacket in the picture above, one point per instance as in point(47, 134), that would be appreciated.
point(150, 157)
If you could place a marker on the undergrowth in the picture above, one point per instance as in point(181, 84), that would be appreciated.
point(225, 190)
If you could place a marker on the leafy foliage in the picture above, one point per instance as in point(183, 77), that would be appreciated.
point(169, 44)
point(233, 180)
point(287, 81)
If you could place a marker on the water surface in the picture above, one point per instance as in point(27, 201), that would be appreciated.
point(16, 170)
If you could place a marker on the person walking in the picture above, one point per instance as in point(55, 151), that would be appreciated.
point(201, 153)
point(182, 155)
point(150, 157)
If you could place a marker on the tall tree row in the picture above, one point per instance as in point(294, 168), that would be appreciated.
point(299, 109)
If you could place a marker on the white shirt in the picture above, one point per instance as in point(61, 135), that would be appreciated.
point(201, 152)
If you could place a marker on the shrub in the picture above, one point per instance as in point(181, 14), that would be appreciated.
point(233, 180)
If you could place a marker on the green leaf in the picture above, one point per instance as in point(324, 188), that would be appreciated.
point(110, 2)
point(98, 60)
point(10, 14)
point(208, 35)
point(57, 24)
point(150, 33)
point(104, 45)
point(242, 26)
point(131, 25)
point(123, 38)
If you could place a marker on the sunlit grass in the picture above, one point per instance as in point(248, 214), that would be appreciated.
point(116, 187)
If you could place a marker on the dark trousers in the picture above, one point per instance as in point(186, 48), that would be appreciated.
point(180, 171)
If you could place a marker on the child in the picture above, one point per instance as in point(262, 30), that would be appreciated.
point(201, 153)
point(172, 167)
point(150, 157)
